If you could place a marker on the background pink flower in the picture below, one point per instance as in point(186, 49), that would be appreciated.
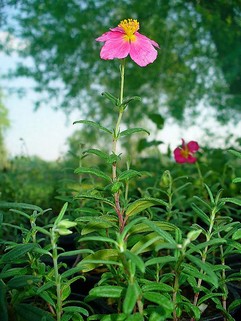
point(185, 153)
point(125, 40)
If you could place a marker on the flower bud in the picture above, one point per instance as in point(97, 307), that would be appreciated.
point(66, 224)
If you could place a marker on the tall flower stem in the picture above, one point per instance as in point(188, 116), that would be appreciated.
point(118, 209)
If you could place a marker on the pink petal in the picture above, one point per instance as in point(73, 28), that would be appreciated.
point(109, 36)
point(142, 50)
point(141, 36)
point(115, 46)
point(178, 156)
point(193, 146)
point(191, 159)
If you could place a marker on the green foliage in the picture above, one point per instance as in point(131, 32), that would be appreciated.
point(158, 235)
point(4, 124)
point(198, 40)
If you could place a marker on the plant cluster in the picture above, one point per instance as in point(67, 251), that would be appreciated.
point(151, 252)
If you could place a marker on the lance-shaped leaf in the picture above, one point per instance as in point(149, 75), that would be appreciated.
point(29, 312)
point(128, 100)
point(236, 201)
point(131, 131)
point(128, 174)
point(157, 119)
point(132, 294)
point(94, 197)
point(107, 291)
point(23, 280)
point(112, 98)
point(147, 243)
point(99, 258)
point(97, 152)
point(20, 205)
point(18, 252)
point(235, 153)
point(142, 204)
point(142, 227)
point(159, 299)
point(93, 124)
point(92, 171)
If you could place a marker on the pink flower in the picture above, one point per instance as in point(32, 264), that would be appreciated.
point(125, 40)
point(185, 153)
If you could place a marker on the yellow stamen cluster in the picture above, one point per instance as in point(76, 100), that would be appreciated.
point(185, 152)
point(130, 26)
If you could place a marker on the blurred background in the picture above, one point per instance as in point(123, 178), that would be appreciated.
point(51, 75)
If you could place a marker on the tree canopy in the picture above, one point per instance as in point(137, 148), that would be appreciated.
point(4, 124)
point(198, 60)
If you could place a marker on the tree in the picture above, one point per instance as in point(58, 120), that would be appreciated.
point(4, 123)
point(195, 62)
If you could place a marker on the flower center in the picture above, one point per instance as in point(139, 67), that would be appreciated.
point(185, 152)
point(129, 26)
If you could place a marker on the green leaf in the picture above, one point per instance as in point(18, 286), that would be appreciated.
point(142, 227)
point(135, 259)
point(94, 197)
point(47, 298)
point(116, 186)
point(98, 258)
point(157, 119)
point(72, 309)
point(237, 180)
point(131, 296)
point(70, 272)
point(128, 100)
point(201, 214)
point(61, 213)
point(107, 291)
point(206, 267)
point(97, 152)
point(111, 317)
point(99, 239)
point(29, 312)
point(94, 226)
point(92, 171)
point(75, 252)
point(3, 302)
point(128, 174)
point(159, 287)
point(93, 124)
point(161, 260)
point(23, 280)
point(166, 236)
point(45, 287)
point(236, 201)
point(237, 234)
point(12, 272)
point(142, 204)
point(147, 243)
point(17, 252)
point(191, 270)
point(131, 131)
point(20, 205)
point(159, 299)
point(235, 153)
point(112, 98)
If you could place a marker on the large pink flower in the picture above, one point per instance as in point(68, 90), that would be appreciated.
point(125, 40)
point(185, 153)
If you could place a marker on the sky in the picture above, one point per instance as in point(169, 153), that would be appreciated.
point(44, 132)
point(40, 133)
